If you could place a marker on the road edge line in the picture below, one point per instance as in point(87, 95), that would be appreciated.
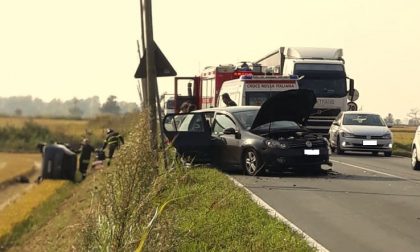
point(271, 211)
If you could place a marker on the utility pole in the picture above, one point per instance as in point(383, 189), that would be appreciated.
point(142, 84)
point(145, 103)
point(151, 72)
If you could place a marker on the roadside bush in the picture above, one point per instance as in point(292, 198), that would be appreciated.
point(124, 204)
point(25, 138)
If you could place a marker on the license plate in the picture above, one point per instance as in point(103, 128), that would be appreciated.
point(370, 142)
point(314, 152)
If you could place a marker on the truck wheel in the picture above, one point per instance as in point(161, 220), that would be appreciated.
point(251, 162)
point(339, 150)
point(415, 163)
point(388, 153)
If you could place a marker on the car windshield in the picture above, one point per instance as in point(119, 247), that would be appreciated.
point(363, 119)
point(326, 80)
point(246, 118)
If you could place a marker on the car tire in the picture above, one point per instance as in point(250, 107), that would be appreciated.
point(415, 163)
point(332, 147)
point(375, 153)
point(339, 150)
point(315, 169)
point(388, 153)
point(251, 162)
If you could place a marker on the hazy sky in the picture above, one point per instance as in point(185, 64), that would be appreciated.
point(64, 49)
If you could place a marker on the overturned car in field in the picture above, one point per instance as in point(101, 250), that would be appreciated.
point(256, 139)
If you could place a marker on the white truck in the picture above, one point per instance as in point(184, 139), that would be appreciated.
point(255, 89)
point(323, 72)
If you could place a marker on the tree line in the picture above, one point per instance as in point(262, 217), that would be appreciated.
point(74, 108)
point(413, 118)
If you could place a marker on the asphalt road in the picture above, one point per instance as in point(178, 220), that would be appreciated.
point(365, 203)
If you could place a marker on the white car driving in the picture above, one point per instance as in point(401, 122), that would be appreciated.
point(415, 150)
point(360, 131)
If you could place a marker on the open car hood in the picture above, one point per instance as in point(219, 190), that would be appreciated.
point(291, 105)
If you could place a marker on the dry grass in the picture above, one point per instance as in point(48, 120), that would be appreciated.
point(403, 135)
point(14, 164)
point(21, 209)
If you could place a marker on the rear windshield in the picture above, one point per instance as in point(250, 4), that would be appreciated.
point(257, 98)
point(363, 119)
point(170, 104)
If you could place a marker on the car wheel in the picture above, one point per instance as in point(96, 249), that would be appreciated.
point(388, 153)
point(375, 153)
point(339, 150)
point(332, 147)
point(251, 162)
point(315, 169)
point(415, 164)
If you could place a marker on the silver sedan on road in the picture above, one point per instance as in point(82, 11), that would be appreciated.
point(360, 131)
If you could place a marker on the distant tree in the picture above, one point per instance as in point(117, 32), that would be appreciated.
point(398, 121)
point(18, 112)
point(389, 118)
point(75, 111)
point(110, 106)
point(414, 116)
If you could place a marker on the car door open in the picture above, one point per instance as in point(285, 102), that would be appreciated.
point(190, 135)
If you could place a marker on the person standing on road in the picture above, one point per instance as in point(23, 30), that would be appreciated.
point(113, 141)
point(84, 160)
point(227, 100)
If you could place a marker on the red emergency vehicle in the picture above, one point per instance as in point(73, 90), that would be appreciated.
point(203, 90)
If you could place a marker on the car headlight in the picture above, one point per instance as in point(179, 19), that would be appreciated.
point(387, 136)
point(347, 134)
point(275, 144)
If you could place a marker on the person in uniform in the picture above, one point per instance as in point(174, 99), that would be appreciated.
point(113, 141)
point(84, 160)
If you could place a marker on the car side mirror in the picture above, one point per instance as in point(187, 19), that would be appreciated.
point(336, 123)
point(389, 125)
point(229, 131)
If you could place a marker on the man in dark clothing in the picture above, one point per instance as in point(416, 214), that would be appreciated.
point(226, 99)
point(113, 140)
point(85, 151)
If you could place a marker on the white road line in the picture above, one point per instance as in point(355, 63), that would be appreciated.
point(374, 171)
point(271, 211)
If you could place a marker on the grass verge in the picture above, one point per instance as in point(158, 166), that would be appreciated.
point(31, 211)
point(210, 213)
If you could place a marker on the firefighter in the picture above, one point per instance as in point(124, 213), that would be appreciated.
point(85, 151)
point(113, 141)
